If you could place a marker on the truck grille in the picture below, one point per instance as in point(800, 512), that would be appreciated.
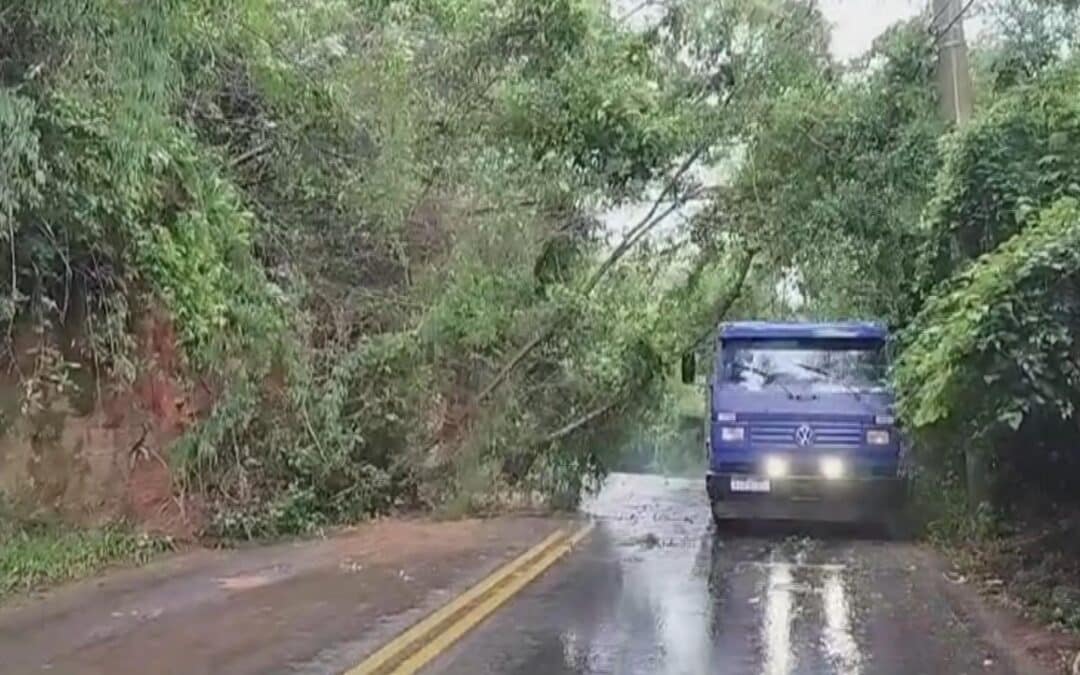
point(780, 434)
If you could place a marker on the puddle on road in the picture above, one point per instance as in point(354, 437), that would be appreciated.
point(777, 621)
point(839, 643)
point(701, 602)
point(807, 617)
point(763, 603)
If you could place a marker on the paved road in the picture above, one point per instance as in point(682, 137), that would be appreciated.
point(652, 590)
point(313, 607)
point(656, 590)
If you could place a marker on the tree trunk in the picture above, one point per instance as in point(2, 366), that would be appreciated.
point(977, 478)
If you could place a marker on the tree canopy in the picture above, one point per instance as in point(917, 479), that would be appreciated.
point(383, 232)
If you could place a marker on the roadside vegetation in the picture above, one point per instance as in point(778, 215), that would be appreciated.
point(378, 238)
point(37, 553)
point(371, 228)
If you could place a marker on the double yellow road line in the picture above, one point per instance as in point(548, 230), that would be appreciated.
point(418, 646)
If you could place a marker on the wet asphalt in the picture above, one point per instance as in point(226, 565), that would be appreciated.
point(656, 589)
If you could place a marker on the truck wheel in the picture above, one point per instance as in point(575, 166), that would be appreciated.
point(898, 526)
point(723, 522)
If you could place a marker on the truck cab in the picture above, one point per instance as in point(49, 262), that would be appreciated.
point(800, 423)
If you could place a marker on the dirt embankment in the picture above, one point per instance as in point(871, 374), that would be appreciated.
point(97, 452)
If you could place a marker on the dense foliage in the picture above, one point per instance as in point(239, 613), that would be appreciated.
point(837, 171)
point(372, 226)
point(991, 362)
point(379, 232)
point(994, 355)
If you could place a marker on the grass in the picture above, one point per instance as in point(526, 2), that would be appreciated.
point(36, 555)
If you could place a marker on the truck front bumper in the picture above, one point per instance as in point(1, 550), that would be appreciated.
point(807, 498)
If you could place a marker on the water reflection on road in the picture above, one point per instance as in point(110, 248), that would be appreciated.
point(657, 590)
point(776, 620)
point(840, 645)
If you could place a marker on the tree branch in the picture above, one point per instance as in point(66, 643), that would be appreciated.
point(585, 419)
point(634, 234)
point(651, 220)
point(726, 304)
point(722, 309)
point(249, 155)
point(639, 230)
point(518, 357)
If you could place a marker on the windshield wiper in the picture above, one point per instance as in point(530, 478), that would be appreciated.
point(770, 378)
point(832, 377)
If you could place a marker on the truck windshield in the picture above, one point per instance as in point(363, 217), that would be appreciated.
point(822, 365)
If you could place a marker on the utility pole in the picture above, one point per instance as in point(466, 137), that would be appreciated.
point(953, 71)
point(956, 93)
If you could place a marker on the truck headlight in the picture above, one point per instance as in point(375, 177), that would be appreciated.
point(723, 416)
point(877, 437)
point(732, 434)
point(776, 467)
point(832, 468)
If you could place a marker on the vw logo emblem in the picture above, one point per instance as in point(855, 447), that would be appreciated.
point(804, 435)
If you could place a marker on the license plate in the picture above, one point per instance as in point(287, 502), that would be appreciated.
point(750, 484)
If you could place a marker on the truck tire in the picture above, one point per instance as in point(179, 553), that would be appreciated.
point(723, 522)
point(898, 523)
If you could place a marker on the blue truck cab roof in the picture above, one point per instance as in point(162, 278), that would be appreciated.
point(795, 330)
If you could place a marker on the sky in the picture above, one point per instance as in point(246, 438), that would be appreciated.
point(857, 22)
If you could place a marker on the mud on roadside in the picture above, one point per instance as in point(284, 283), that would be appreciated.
point(1033, 574)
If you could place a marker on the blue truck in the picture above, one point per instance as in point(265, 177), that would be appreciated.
point(800, 424)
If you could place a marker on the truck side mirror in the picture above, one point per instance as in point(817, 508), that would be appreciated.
point(689, 368)
point(891, 349)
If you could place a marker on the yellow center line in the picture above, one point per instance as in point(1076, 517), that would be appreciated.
point(463, 610)
point(441, 642)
